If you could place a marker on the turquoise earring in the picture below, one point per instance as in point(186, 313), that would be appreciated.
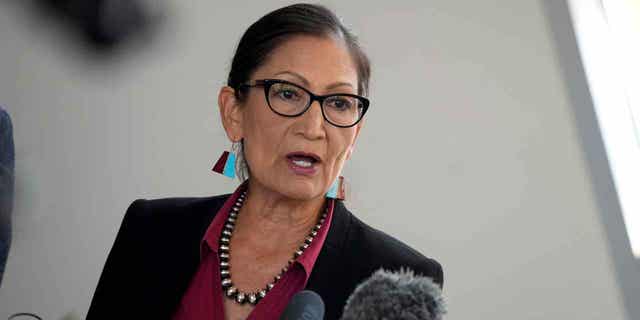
point(337, 189)
point(226, 165)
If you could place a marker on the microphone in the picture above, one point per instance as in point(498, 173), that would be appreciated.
point(395, 296)
point(305, 305)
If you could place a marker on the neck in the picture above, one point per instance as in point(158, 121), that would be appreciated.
point(273, 216)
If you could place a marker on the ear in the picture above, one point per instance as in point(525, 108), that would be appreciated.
point(230, 113)
point(353, 143)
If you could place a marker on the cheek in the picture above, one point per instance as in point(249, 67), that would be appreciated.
point(262, 132)
point(339, 145)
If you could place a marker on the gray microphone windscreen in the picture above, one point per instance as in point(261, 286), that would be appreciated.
point(395, 296)
point(306, 305)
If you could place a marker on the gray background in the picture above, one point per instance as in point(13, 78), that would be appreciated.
point(471, 152)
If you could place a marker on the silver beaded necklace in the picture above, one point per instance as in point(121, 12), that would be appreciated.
point(229, 289)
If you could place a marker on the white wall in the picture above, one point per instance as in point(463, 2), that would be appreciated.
point(468, 99)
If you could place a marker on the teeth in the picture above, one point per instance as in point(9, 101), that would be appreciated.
point(302, 163)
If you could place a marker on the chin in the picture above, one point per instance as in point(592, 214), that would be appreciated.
point(301, 191)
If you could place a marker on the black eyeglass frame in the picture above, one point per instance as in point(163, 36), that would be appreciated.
point(267, 83)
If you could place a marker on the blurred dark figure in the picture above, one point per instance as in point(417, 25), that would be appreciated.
point(6, 186)
point(105, 23)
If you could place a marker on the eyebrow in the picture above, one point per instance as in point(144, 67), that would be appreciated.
point(306, 82)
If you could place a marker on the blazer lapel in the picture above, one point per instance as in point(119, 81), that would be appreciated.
point(329, 269)
point(178, 254)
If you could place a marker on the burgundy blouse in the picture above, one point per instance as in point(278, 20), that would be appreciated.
point(204, 296)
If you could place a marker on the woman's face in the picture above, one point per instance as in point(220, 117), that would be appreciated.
point(275, 146)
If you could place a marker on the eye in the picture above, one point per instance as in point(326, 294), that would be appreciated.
point(286, 92)
point(340, 103)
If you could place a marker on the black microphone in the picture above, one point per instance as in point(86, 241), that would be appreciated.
point(395, 296)
point(306, 305)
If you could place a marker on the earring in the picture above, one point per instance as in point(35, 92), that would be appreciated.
point(337, 189)
point(226, 165)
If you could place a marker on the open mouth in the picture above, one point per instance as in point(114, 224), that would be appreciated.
point(302, 159)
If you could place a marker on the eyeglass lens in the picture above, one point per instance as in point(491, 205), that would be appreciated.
point(288, 99)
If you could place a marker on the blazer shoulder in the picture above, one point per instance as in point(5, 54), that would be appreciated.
point(168, 205)
point(381, 250)
point(162, 209)
point(153, 256)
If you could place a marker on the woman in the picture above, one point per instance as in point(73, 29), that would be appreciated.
point(294, 106)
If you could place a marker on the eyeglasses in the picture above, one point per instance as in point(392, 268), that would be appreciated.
point(291, 100)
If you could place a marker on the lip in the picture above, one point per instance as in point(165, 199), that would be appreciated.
point(304, 171)
point(304, 154)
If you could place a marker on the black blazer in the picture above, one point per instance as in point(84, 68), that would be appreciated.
point(156, 253)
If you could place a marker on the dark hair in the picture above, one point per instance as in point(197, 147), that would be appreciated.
point(273, 29)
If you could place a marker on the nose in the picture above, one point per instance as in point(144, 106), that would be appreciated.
point(312, 122)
